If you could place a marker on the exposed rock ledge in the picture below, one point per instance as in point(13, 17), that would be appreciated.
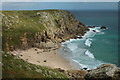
point(103, 72)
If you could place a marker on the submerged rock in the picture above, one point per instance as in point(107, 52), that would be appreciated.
point(103, 27)
point(104, 72)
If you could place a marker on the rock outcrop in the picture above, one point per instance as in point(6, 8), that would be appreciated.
point(104, 72)
point(29, 28)
point(103, 27)
point(73, 74)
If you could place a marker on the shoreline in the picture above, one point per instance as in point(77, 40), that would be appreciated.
point(44, 57)
point(49, 57)
point(87, 43)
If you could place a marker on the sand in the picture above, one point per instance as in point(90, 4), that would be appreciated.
point(44, 57)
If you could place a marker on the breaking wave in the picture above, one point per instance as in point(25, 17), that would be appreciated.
point(78, 50)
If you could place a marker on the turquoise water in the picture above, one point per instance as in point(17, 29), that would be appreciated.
point(97, 47)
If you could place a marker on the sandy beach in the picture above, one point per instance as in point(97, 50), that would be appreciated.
point(44, 57)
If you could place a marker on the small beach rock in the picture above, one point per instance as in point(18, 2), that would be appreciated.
point(35, 49)
point(38, 52)
point(45, 61)
point(103, 27)
point(104, 72)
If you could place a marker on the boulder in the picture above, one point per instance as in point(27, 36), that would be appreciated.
point(103, 27)
point(104, 72)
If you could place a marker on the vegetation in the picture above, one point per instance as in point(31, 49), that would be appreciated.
point(17, 23)
point(13, 67)
point(20, 26)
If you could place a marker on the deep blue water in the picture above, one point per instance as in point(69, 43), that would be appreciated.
point(102, 46)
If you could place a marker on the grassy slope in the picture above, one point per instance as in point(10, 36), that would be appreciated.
point(17, 30)
point(23, 21)
point(16, 68)
point(13, 67)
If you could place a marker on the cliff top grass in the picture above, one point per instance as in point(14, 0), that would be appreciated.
point(17, 23)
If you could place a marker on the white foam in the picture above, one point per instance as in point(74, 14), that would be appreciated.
point(88, 53)
point(84, 58)
point(88, 34)
point(82, 65)
point(72, 47)
point(88, 42)
point(98, 31)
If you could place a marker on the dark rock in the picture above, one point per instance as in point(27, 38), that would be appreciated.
point(104, 72)
point(87, 29)
point(79, 26)
point(66, 29)
point(46, 33)
point(35, 49)
point(77, 37)
point(45, 61)
point(91, 26)
point(103, 27)
point(85, 68)
point(60, 70)
point(38, 52)
point(43, 39)
point(94, 30)
point(12, 48)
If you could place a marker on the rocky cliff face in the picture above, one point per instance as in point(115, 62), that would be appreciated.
point(24, 29)
point(104, 72)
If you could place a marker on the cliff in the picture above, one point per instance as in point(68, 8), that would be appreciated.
point(41, 29)
point(25, 29)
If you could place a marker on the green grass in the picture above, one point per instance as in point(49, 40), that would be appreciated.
point(13, 67)
point(17, 30)
point(26, 22)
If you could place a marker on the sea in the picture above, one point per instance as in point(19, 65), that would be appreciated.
point(95, 48)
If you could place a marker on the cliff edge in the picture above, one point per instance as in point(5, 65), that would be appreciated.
point(25, 29)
